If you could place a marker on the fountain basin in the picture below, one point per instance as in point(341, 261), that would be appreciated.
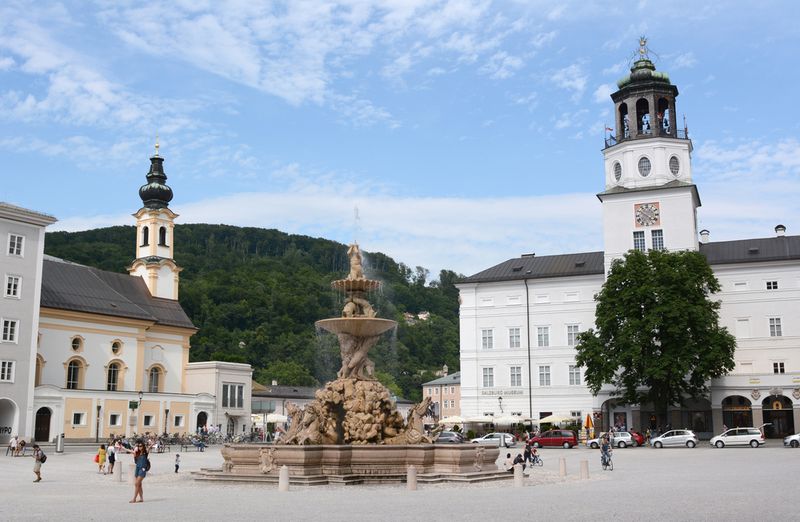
point(357, 326)
point(355, 285)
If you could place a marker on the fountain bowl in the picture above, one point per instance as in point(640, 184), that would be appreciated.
point(355, 285)
point(357, 326)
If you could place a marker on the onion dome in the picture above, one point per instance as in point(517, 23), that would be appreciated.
point(156, 193)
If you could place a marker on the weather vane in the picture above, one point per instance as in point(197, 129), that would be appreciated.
point(156, 144)
point(644, 52)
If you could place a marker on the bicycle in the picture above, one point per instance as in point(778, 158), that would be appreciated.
point(536, 460)
point(605, 460)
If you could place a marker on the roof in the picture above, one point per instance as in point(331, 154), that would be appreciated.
point(79, 288)
point(779, 248)
point(24, 215)
point(533, 267)
point(450, 379)
point(669, 185)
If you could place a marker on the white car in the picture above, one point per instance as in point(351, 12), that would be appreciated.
point(792, 440)
point(739, 437)
point(675, 438)
point(497, 439)
point(621, 439)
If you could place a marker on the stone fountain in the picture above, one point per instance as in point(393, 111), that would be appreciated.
point(352, 432)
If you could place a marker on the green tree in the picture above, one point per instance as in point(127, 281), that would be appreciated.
point(657, 338)
point(287, 373)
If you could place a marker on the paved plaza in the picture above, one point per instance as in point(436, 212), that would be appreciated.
point(646, 484)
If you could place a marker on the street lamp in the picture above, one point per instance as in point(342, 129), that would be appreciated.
point(97, 426)
point(500, 402)
point(166, 420)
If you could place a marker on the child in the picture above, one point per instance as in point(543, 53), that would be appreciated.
point(101, 459)
point(177, 461)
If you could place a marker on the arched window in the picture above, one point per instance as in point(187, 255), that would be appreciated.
point(112, 381)
point(622, 125)
point(74, 369)
point(162, 236)
point(664, 117)
point(145, 236)
point(643, 122)
point(154, 380)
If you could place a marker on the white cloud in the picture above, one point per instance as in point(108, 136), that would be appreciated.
point(571, 78)
point(684, 61)
point(6, 63)
point(617, 68)
point(501, 66)
point(603, 92)
point(542, 39)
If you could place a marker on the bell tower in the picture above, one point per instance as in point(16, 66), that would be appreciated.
point(155, 233)
point(649, 200)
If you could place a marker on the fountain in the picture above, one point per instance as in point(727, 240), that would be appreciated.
point(351, 432)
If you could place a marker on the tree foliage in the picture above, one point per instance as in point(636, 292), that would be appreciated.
point(255, 294)
point(657, 338)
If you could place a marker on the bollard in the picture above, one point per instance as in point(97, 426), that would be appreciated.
point(411, 478)
point(584, 469)
point(118, 471)
point(517, 475)
point(562, 467)
point(283, 478)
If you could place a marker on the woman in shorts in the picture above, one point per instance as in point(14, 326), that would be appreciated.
point(140, 459)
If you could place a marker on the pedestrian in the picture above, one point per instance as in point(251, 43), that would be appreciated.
point(508, 465)
point(112, 457)
point(177, 461)
point(38, 458)
point(101, 459)
point(519, 460)
point(12, 446)
point(141, 461)
point(527, 453)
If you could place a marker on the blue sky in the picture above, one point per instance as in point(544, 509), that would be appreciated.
point(466, 132)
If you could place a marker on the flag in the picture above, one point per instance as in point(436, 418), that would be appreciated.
point(609, 129)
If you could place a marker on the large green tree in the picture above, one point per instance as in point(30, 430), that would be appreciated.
point(657, 338)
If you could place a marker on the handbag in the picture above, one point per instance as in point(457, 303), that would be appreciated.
point(97, 458)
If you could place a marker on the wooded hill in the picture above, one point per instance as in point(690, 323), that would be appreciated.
point(255, 294)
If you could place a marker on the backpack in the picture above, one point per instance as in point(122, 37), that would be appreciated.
point(147, 464)
point(42, 458)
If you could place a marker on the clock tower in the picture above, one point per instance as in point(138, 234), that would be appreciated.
point(649, 199)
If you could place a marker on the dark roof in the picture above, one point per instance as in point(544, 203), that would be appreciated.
point(672, 184)
point(70, 286)
point(535, 267)
point(779, 248)
point(450, 379)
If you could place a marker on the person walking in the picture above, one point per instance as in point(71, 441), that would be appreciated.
point(38, 458)
point(12, 446)
point(112, 457)
point(101, 459)
point(177, 461)
point(140, 459)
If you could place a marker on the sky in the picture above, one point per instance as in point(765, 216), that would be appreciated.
point(448, 134)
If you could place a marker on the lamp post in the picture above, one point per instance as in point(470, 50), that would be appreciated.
point(139, 407)
point(500, 402)
point(97, 426)
point(166, 420)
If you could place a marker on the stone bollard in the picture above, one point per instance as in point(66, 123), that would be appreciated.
point(584, 469)
point(411, 478)
point(562, 467)
point(132, 471)
point(517, 475)
point(118, 471)
point(283, 478)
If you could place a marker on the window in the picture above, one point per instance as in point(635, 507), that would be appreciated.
point(513, 338)
point(772, 285)
point(740, 285)
point(644, 166)
point(487, 339)
point(145, 236)
point(543, 335)
point(544, 376)
point(674, 165)
point(658, 239)
point(162, 236)
point(775, 327)
point(74, 375)
point(153, 382)
point(777, 367)
point(6, 371)
point(177, 421)
point(541, 298)
point(638, 241)
point(15, 243)
point(430, 392)
point(516, 376)
point(574, 375)
point(116, 347)
point(78, 419)
point(436, 391)
point(13, 286)
point(452, 390)
point(514, 300)
point(571, 296)
point(488, 377)
point(10, 328)
point(232, 395)
point(148, 420)
point(572, 335)
point(77, 344)
point(487, 301)
point(112, 377)
point(115, 419)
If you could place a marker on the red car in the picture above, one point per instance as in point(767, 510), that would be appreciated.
point(564, 438)
point(638, 437)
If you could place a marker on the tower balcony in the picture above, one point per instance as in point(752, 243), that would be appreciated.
point(664, 132)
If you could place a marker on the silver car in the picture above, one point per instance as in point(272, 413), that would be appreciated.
point(497, 439)
point(792, 440)
point(676, 438)
point(620, 439)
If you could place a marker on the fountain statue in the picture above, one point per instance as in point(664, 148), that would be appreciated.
point(352, 432)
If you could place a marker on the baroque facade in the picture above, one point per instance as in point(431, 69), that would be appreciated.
point(519, 319)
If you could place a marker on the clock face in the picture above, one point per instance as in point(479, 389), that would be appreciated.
point(647, 214)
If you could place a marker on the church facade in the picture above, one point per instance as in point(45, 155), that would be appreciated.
point(519, 320)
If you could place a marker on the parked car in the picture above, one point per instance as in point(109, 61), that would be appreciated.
point(739, 437)
point(620, 439)
point(675, 438)
point(497, 439)
point(450, 437)
point(551, 438)
point(638, 437)
point(792, 440)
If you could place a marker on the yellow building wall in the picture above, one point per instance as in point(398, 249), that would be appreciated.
point(149, 408)
point(114, 406)
point(179, 408)
point(85, 406)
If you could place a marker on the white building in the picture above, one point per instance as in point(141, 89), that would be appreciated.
point(519, 319)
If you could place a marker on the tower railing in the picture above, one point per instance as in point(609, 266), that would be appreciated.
point(663, 132)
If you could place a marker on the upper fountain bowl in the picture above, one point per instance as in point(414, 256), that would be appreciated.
point(355, 285)
point(357, 326)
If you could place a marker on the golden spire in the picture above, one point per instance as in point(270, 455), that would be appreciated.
point(156, 144)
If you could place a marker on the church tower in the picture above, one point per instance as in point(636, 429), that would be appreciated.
point(155, 233)
point(649, 200)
